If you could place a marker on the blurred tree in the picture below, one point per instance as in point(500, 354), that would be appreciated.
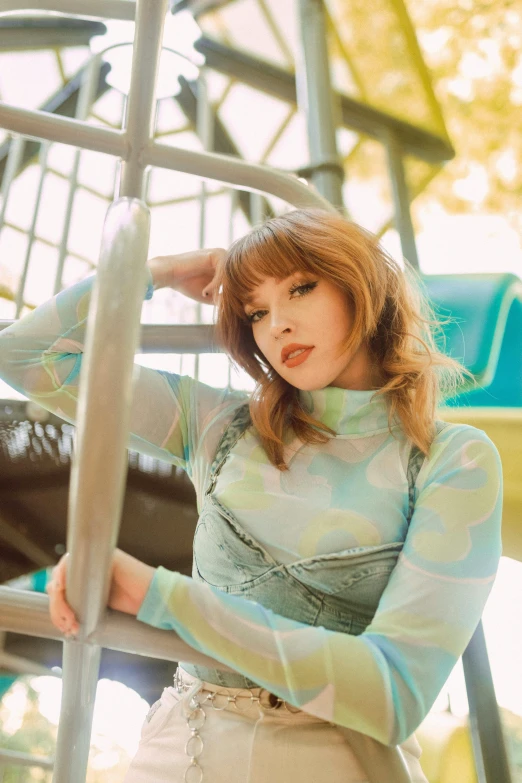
point(23, 728)
point(474, 51)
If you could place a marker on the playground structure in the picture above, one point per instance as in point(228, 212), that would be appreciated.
point(490, 346)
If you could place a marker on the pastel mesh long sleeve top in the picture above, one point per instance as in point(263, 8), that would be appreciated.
point(349, 492)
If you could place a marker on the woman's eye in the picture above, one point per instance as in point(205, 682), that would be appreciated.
point(303, 289)
point(252, 317)
point(306, 288)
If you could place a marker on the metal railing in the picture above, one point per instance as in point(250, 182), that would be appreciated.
point(99, 470)
point(20, 761)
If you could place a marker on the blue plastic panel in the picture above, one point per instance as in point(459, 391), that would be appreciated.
point(487, 337)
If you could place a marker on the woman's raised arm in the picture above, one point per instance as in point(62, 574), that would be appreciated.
point(41, 357)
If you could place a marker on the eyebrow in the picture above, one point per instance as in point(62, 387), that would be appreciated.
point(250, 299)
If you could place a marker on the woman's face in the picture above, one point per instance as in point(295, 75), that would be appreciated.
point(310, 311)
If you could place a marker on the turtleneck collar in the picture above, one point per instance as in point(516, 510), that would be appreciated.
point(347, 411)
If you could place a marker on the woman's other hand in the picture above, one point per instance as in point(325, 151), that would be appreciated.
point(62, 616)
point(192, 274)
point(130, 581)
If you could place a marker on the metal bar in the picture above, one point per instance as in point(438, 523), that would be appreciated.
point(412, 43)
point(20, 40)
point(102, 9)
point(95, 504)
point(14, 158)
point(315, 99)
point(272, 80)
point(124, 633)
point(257, 203)
point(237, 173)
point(44, 153)
point(161, 338)
point(17, 759)
point(43, 125)
point(401, 199)
point(234, 200)
point(420, 185)
point(80, 669)
point(64, 103)
point(26, 612)
point(205, 131)
point(277, 135)
point(489, 747)
point(171, 202)
point(98, 471)
point(187, 101)
point(48, 242)
point(29, 34)
point(274, 28)
point(197, 7)
point(86, 97)
point(19, 665)
point(139, 115)
point(333, 30)
point(10, 534)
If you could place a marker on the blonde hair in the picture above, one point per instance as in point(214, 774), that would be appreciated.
point(391, 314)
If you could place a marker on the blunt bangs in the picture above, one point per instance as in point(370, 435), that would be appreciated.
point(264, 252)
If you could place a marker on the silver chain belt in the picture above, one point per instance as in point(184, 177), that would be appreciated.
point(195, 714)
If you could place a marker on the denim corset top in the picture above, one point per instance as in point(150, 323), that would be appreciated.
point(338, 591)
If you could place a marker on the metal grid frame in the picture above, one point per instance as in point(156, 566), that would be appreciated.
point(96, 494)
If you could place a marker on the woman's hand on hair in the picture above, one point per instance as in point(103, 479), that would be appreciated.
point(192, 274)
point(130, 581)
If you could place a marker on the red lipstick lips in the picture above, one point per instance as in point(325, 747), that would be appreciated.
point(288, 349)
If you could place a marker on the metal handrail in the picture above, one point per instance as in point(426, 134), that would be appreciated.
point(103, 420)
point(170, 338)
point(17, 759)
point(99, 9)
point(26, 612)
point(207, 165)
point(98, 471)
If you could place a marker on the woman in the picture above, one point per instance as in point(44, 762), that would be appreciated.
point(347, 539)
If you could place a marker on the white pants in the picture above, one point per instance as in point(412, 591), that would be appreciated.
point(246, 742)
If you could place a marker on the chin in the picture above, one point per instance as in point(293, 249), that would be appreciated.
point(311, 385)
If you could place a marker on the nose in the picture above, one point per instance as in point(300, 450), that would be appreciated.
point(278, 328)
point(280, 319)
